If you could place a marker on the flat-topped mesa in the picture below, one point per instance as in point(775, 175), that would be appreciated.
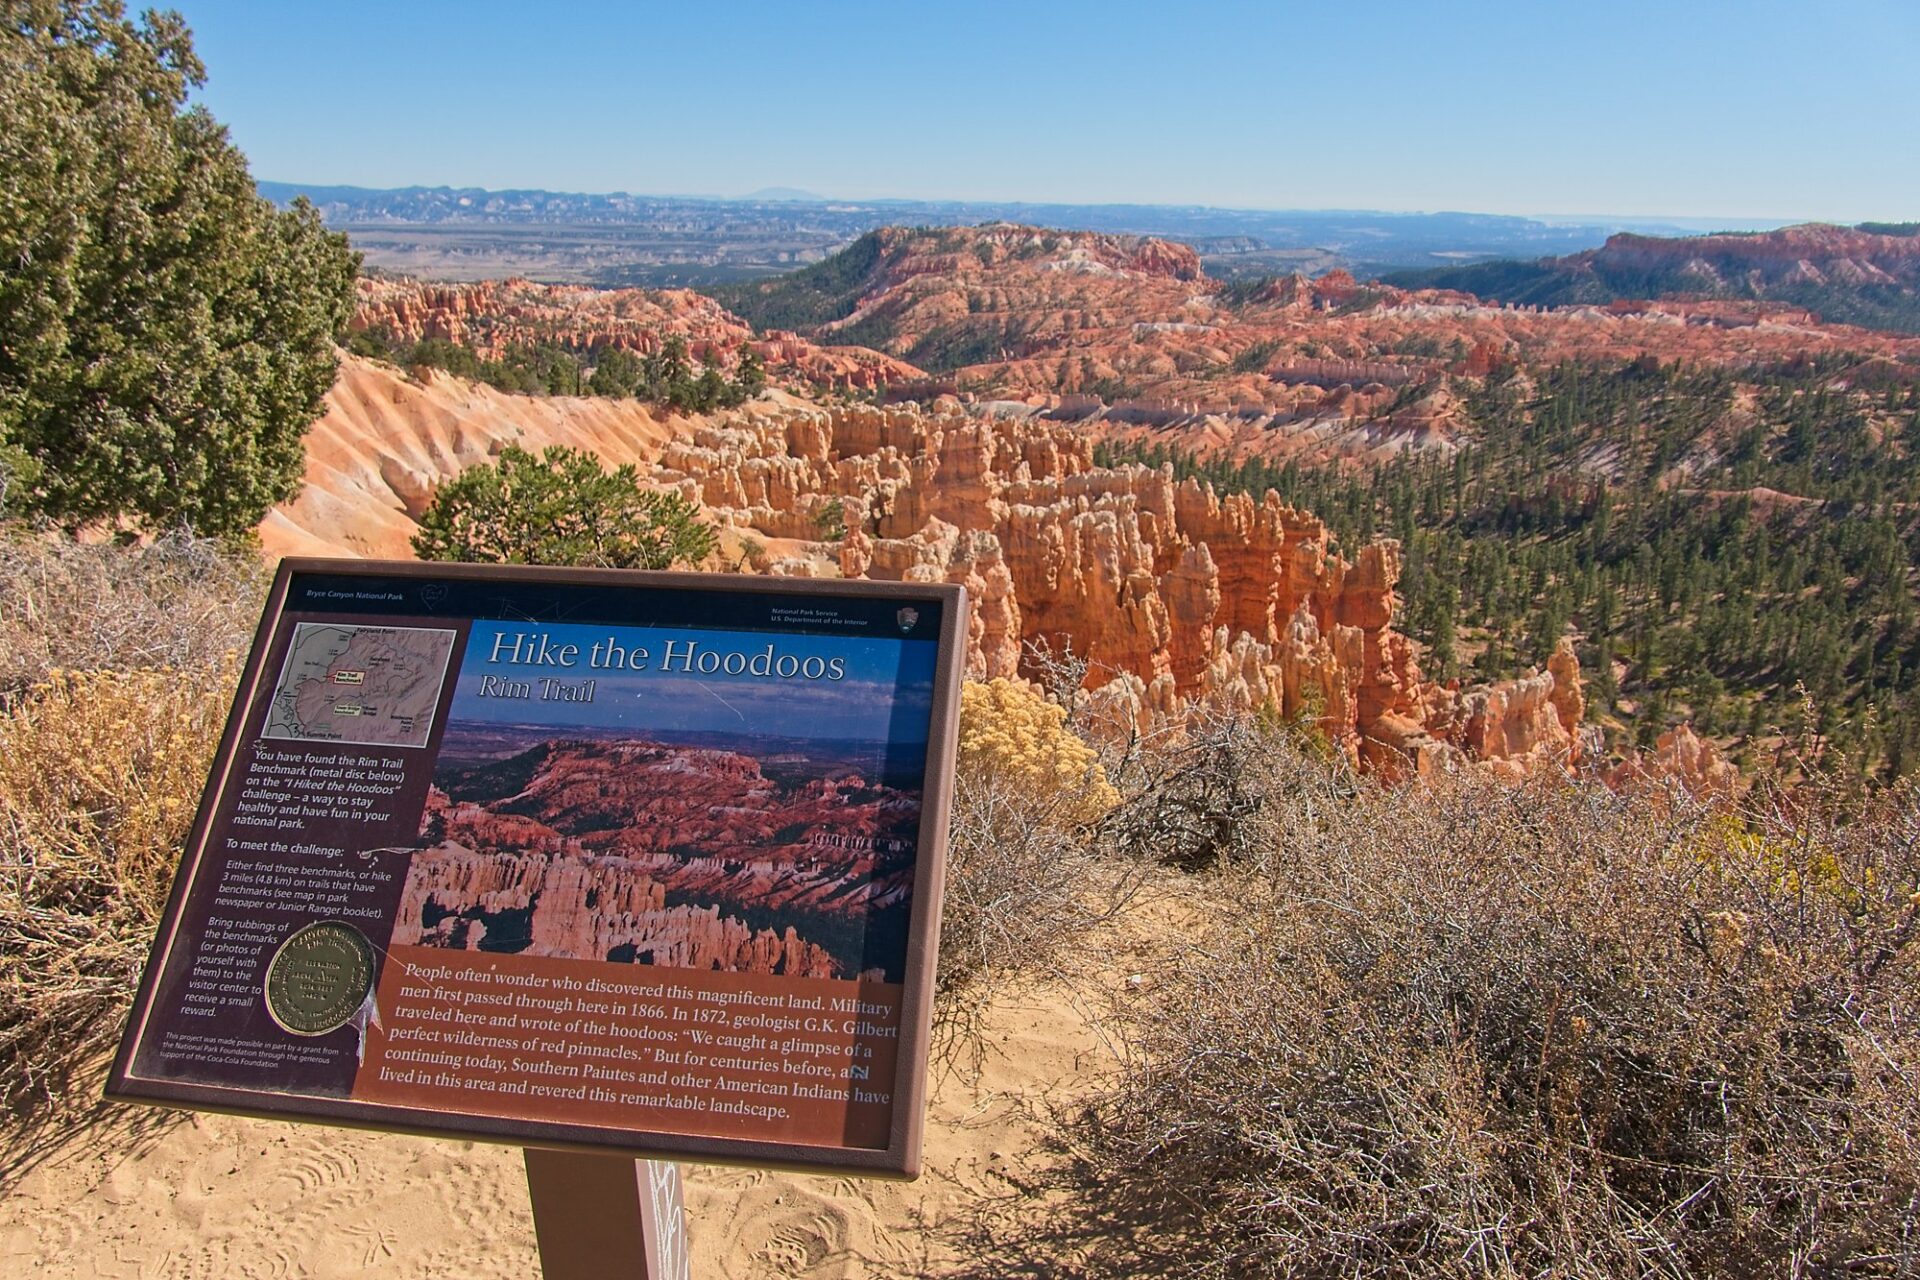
point(974, 252)
point(1810, 252)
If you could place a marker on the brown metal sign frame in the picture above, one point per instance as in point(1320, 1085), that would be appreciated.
point(900, 1158)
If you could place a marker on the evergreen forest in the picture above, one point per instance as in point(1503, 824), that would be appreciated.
point(1730, 548)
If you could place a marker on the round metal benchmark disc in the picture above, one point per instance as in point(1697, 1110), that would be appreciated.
point(319, 978)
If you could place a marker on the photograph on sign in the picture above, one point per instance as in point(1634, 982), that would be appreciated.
point(638, 861)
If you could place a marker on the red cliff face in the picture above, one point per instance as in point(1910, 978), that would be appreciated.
point(1173, 592)
point(584, 907)
point(1130, 329)
point(977, 253)
point(1813, 253)
point(1133, 331)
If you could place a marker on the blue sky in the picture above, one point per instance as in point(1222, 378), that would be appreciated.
point(885, 694)
point(1689, 108)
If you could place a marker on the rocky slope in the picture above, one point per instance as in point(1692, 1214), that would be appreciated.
point(584, 908)
point(386, 439)
point(1173, 591)
point(1129, 331)
point(1133, 332)
point(492, 316)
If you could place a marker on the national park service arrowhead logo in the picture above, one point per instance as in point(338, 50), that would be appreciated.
point(908, 618)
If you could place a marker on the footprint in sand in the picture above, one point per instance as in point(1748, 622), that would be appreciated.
point(321, 1169)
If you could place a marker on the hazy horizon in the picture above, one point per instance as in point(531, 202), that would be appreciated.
point(1694, 222)
point(1774, 111)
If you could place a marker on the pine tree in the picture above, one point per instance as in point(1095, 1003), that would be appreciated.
point(166, 335)
point(560, 507)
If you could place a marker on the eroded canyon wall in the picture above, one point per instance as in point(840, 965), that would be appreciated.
point(386, 439)
point(1173, 592)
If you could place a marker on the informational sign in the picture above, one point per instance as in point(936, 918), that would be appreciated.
point(641, 863)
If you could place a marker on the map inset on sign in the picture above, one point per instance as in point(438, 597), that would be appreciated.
point(372, 685)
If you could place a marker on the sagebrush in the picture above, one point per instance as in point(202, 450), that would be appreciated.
point(118, 667)
point(177, 604)
point(1466, 1028)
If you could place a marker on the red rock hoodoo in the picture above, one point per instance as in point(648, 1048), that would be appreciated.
point(1173, 592)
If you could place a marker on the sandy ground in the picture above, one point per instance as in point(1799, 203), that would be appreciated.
point(204, 1195)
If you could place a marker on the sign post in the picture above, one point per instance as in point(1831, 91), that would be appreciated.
point(606, 865)
point(607, 1217)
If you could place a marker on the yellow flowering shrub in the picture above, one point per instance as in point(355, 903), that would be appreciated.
point(1789, 863)
point(1030, 870)
point(1012, 733)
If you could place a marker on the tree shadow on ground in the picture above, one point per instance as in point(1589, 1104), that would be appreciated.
point(1071, 1219)
point(108, 1131)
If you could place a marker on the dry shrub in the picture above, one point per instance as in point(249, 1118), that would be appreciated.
point(1025, 878)
point(99, 776)
point(180, 603)
point(1466, 1028)
point(1215, 786)
point(100, 773)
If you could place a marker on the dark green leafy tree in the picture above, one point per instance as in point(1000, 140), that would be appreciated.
point(166, 335)
point(561, 507)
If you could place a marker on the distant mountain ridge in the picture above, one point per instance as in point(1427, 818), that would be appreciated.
point(1867, 275)
point(621, 238)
